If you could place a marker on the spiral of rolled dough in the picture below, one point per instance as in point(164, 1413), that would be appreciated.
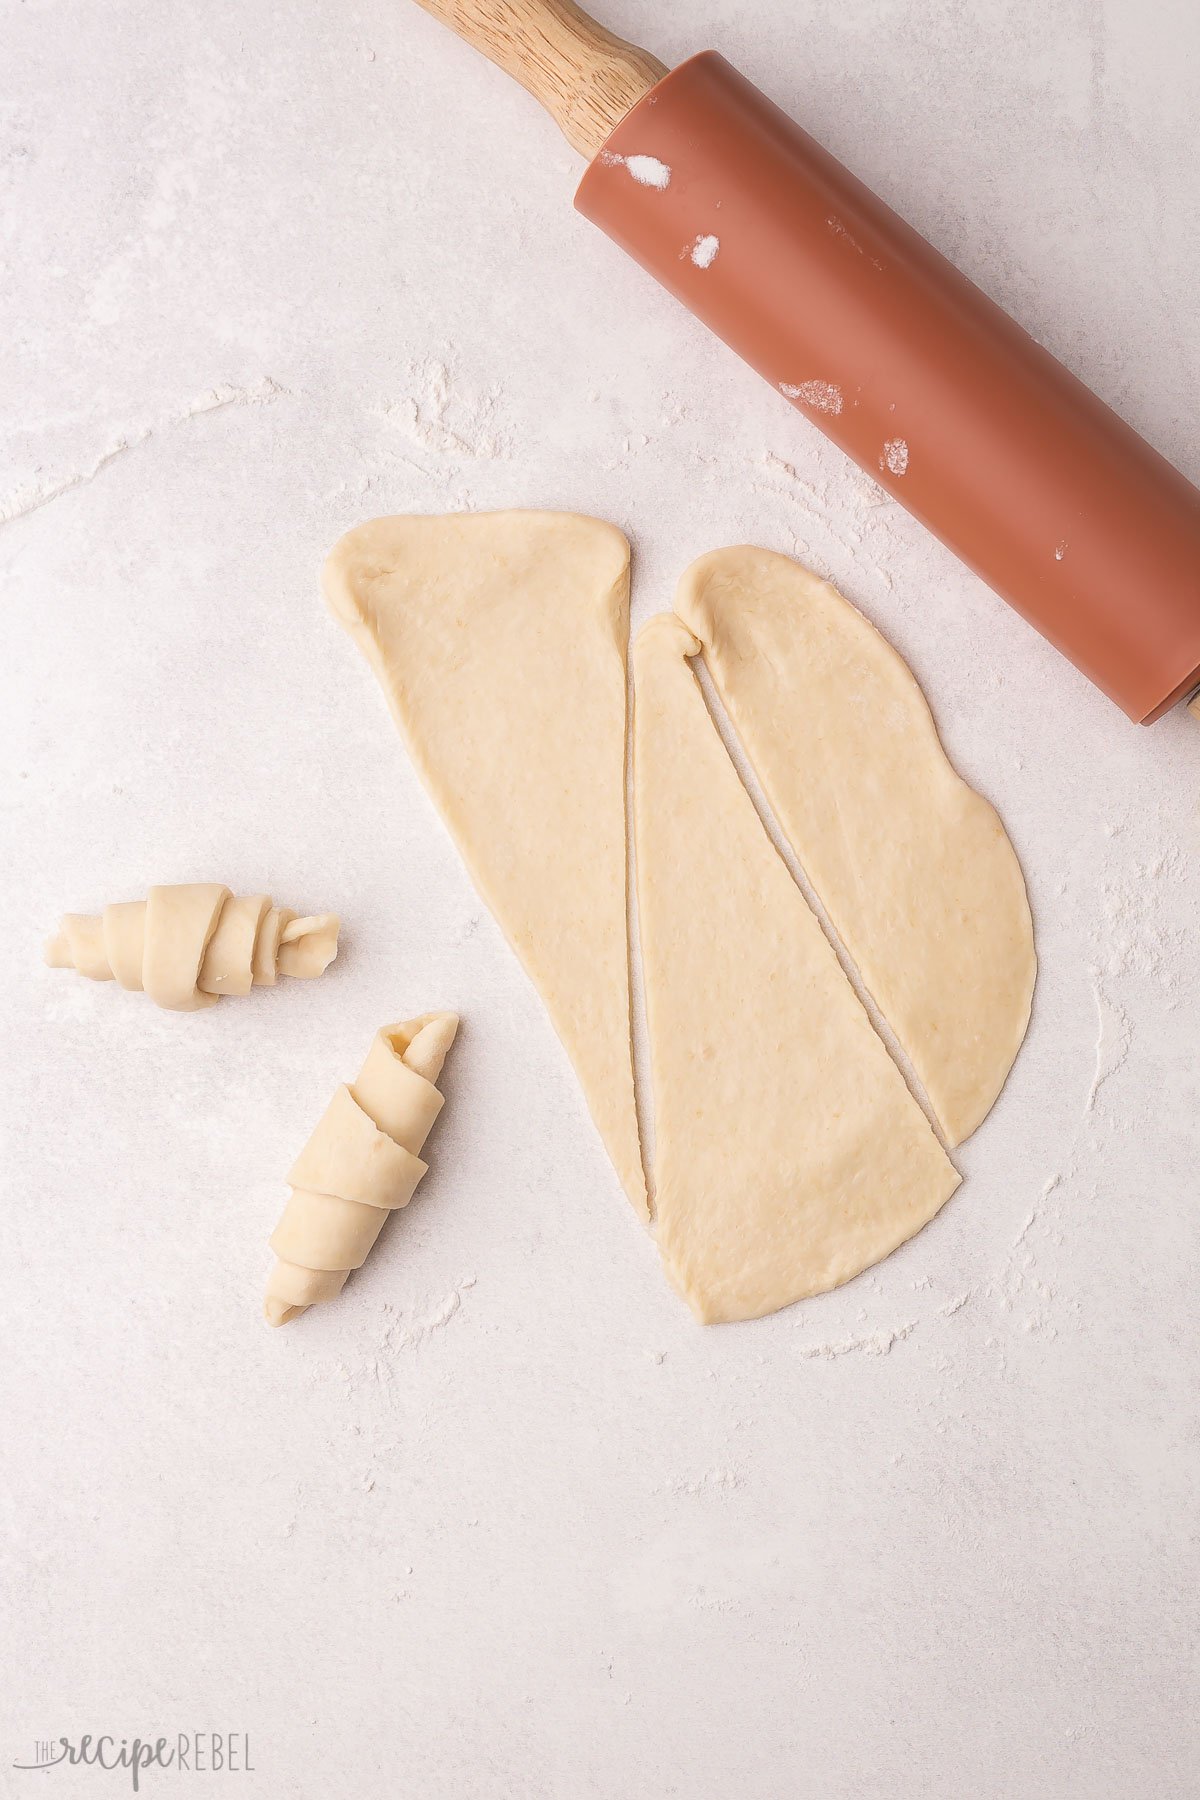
point(360, 1163)
point(185, 946)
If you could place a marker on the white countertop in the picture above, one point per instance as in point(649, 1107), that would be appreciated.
point(504, 1522)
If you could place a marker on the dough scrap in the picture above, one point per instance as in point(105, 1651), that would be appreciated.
point(789, 1152)
point(187, 945)
point(360, 1163)
point(913, 867)
point(500, 640)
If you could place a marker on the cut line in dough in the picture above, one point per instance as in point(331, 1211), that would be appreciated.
point(748, 776)
point(830, 921)
point(790, 1155)
point(912, 866)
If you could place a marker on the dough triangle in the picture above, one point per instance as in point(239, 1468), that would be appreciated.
point(789, 1152)
point(913, 867)
point(500, 642)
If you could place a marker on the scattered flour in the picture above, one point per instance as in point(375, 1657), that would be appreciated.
point(647, 171)
point(1114, 1039)
point(879, 1343)
point(32, 498)
point(839, 230)
point(895, 457)
point(822, 396)
point(704, 251)
point(445, 418)
point(419, 1331)
point(713, 1481)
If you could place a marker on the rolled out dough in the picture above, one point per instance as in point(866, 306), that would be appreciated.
point(789, 1152)
point(913, 867)
point(500, 641)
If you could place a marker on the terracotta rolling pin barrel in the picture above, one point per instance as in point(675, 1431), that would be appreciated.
point(1003, 454)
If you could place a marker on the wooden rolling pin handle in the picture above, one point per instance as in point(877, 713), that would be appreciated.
point(1194, 706)
point(586, 78)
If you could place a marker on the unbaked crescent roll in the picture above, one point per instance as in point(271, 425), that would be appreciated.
point(186, 946)
point(360, 1163)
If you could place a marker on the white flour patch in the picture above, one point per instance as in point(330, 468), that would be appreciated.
point(823, 396)
point(895, 457)
point(704, 251)
point(420, 1330)
point(713, 1481)
point(1114, 1040)
point(647, 171)
point(442, 416)
point(879, 1343)
point(32, 498)
point(1060, 550)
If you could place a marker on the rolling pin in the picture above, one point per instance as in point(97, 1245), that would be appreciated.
point(865, 328)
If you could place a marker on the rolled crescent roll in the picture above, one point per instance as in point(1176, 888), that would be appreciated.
point(186, 946)
point(360, 1163)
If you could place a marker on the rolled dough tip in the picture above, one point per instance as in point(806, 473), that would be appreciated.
point(445, 1027)
point(312, 925)
point(277, 1312)
point(308, 946)
point(57, 952)
point(430, 1043)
